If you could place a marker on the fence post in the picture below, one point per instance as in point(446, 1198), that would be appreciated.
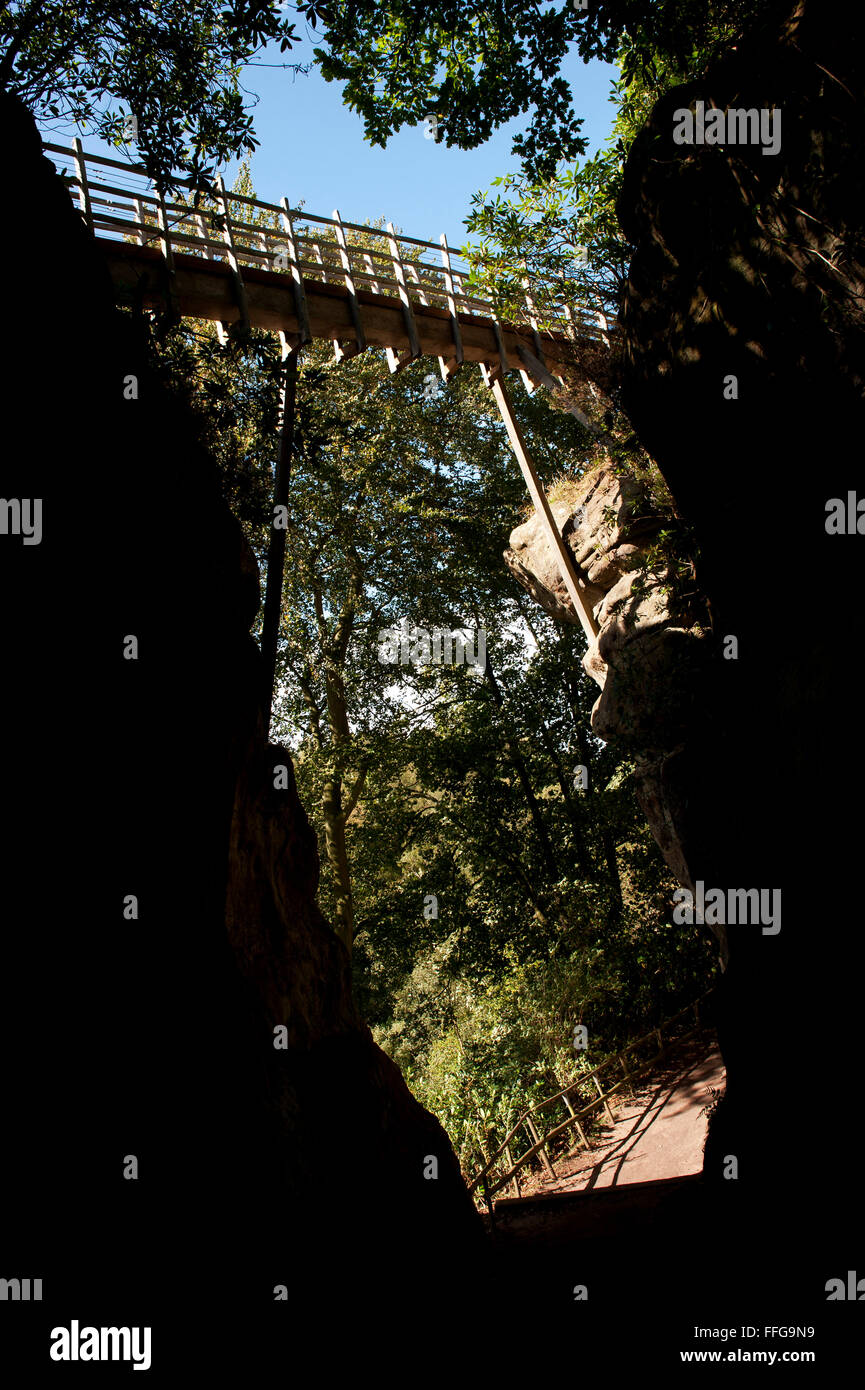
point(536, 1139)
point(600, 1090)
point(489, 1201)
point(242, 327)
point(300, 304)
point(448, 368)
point(359, 335)
point(515, 1182)
point(624, 1064)
point(139, 217)
point(83, 187)
point(394, 362)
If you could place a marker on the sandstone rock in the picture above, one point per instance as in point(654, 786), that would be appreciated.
point(653, 682)
point(612, 565)
point(534, 563)
point(155, 1036)
point(651, 668)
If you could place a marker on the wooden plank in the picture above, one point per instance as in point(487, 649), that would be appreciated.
point(205, 289)
point(201, 227)
point(539, 352)
point(165, 233)
point(417, 281)
point(96, 158)
point(139, 217)
point(500, 344)
point(318, 257)
point(542, 506)
point(371, 272)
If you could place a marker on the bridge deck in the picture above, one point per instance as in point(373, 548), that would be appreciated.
point(206, 289)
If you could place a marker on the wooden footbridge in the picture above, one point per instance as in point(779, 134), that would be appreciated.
point(245, 263)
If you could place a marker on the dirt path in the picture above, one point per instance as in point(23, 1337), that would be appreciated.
point(658, 1133)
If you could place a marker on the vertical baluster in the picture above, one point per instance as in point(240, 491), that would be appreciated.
point(300, 304)
point(83, 186)
point(360, 336)
point(448, 368)
point(394, 362)
point(228, 238)
point(140, 234)
point(370, 268)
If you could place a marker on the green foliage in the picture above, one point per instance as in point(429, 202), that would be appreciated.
point(553, 903)
point(476, 66)
point(173, 64)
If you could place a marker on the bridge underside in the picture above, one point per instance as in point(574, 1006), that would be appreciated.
point(194, 287)
point(207, 289)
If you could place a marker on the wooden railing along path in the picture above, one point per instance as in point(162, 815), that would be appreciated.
point(540, 1143)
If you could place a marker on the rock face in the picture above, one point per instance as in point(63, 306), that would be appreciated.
point(651, 665)
point(744, 366)
point(743, 371)
point(158, 888)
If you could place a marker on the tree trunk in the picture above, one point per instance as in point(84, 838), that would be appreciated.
point(337, 854)
point(517, 761)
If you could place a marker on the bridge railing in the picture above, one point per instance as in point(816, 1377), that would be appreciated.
point(117, 200)
point(490, 1182)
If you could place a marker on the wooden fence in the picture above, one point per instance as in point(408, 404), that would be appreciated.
point(540, 1144)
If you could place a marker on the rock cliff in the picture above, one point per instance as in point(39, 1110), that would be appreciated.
point(650, 658)
point(159, 890)
point(743, 370)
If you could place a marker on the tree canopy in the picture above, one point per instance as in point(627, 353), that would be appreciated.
point(476, 65)
point(173, 65)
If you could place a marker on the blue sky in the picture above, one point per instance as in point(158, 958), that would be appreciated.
point(312, 150)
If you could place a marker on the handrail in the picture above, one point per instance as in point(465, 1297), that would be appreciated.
point(600, 1099)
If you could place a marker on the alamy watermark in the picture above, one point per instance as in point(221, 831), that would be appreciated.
point(21, 1290)
point(845, 518)
point(416, 646)
point(733, 126)
point(729, 907)
point(76, 1343)
point(22, 516)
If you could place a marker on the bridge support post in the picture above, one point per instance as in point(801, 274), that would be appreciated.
point(276, 552)
point(495, 380)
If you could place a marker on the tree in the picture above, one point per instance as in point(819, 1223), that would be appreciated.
point(475, 65)
point(172, 65)
point(488, 901)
